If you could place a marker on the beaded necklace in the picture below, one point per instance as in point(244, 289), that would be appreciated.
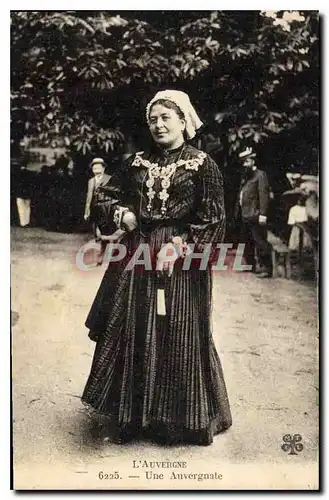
point(164, 173)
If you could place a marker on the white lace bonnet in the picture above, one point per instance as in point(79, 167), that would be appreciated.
point(182, 100)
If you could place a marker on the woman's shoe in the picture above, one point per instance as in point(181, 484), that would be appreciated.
point(93, 336)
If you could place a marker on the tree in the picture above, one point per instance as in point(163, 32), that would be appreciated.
point(83, 78)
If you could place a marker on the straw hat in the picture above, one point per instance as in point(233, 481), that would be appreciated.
point(247, 153)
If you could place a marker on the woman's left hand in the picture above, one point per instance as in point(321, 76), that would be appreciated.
point(167, 257)
point(169, 253)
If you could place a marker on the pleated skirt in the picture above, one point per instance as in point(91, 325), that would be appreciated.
point(150, 374)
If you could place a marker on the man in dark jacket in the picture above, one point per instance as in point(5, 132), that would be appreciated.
point(252, 207)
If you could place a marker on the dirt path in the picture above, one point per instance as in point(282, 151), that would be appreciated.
point(266, 335)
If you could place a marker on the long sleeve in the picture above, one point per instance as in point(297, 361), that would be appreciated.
point(118, 191)
point(118, 188)
point(264, 193)
point(209, 225)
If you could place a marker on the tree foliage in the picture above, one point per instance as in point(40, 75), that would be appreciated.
point(83, 78)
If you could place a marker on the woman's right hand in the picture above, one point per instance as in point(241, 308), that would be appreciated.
point(113, 238)
point(129, 221)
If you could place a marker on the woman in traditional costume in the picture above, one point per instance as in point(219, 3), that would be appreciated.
point(155, 369)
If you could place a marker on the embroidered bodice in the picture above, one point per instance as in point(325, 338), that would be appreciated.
point(165, 173)
point(183, 186)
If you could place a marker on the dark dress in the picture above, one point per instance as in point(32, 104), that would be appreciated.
point(150, 373)
point(100, 209)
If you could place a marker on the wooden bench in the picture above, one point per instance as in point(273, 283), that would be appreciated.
point(279, 249)
point(314, 238)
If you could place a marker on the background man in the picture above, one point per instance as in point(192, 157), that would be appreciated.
point(252, 207)
point(97, 206)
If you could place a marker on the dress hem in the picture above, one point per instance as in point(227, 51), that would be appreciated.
point(161, 432)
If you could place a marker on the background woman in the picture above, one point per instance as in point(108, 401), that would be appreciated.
point(155, 369)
